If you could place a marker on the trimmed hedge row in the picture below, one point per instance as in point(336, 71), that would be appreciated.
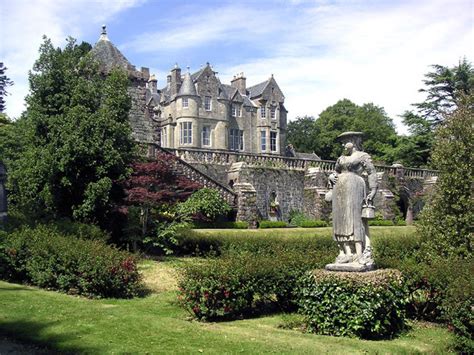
point(44, 257)
point(221, 225)
point(231, 287)
point(253, 269)
point(272, 224)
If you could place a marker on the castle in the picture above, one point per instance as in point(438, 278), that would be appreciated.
point(198, 111)
point(233, 138)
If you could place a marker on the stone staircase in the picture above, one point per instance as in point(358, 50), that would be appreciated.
point(198, 176)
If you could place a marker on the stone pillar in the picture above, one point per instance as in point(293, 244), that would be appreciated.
point(399, 171)
point(246, 203)
point(3, 195)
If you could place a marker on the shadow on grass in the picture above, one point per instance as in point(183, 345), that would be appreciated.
point(35, 338)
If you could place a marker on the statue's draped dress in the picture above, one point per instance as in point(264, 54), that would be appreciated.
point(348, 197)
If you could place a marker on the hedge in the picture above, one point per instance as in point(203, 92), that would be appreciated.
point(368, 306)
point(441, 291)
point(272, 224)
point(44, 257)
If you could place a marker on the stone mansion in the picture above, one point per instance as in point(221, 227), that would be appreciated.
point(195, 110)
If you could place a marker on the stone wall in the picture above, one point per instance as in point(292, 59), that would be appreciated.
point(283, 186)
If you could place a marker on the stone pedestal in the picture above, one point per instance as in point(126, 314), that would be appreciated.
point(246, 203)
point(350, 267)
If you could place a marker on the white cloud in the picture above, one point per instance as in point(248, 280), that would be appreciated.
point(365, 55)
point(24, 22)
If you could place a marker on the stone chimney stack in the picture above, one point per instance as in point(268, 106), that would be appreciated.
point(153, 84)
point(175, 83)
point(239, 82)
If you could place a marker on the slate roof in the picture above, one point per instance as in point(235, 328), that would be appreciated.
point(258, 89)
point(109, 56)
point(187, 86)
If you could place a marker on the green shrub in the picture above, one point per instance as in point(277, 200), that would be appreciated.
point(299, 219)
point(80, 230)
point(44, 257)
point(205, 204)
point(371, 306)
point(241, 285)
point(272, 224)
point(206, 243)
point(313, 224)
point(221, 225)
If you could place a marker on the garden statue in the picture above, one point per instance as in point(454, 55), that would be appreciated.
point(352, 205)
point(3, 195)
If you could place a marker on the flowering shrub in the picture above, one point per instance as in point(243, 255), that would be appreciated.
point(242, 283)
point(44, 257)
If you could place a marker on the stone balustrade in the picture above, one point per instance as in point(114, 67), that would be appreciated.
point(204, 156)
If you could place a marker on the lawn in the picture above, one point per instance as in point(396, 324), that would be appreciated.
point(156, 324)
point(309, 232)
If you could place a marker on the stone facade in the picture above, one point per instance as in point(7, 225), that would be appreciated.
point(198, 111)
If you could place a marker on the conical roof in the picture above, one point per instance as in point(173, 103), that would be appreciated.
point(108, 55)
point(187, 87)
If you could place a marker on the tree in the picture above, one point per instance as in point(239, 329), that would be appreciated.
point(76, 137)
point(443, 87)
point(4, 83)
point(303, 134)
point(153, 187)
point(447, 222)
point(380, 135)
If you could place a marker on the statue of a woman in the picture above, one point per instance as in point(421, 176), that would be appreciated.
point(349, 197)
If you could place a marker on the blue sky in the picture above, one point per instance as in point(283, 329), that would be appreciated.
point(319, 51)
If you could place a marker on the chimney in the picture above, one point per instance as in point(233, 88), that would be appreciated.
point(239, 82)
point(175, 80)
point(152, 84)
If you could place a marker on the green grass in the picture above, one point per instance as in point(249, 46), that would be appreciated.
point(309, 232)
point(157, 324)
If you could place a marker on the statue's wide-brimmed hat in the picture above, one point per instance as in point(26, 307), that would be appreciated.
point(348, 136)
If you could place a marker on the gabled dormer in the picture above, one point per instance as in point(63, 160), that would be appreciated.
point(267, 91)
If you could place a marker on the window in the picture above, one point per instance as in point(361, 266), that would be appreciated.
point(236, 141)
point(186, 133)
point(263, 140)
point(163, 137)
point(273, 141)
point(185, 102)
point(263, 113)
point(236, 110)
point(206, 136)
point(207, 103)
point(273, 113)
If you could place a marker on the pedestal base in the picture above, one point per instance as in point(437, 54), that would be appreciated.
point(350, 267)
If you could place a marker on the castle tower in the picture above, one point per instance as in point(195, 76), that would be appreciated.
point(187, 114)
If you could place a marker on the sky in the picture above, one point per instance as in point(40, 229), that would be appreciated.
point(318, 51)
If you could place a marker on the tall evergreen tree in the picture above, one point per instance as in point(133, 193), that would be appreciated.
point(447, 222)
point(76, 136)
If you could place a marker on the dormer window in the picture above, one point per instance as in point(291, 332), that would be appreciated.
point(263, 112)
point(185, 102)
point(273, 113)
point(207, 103)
